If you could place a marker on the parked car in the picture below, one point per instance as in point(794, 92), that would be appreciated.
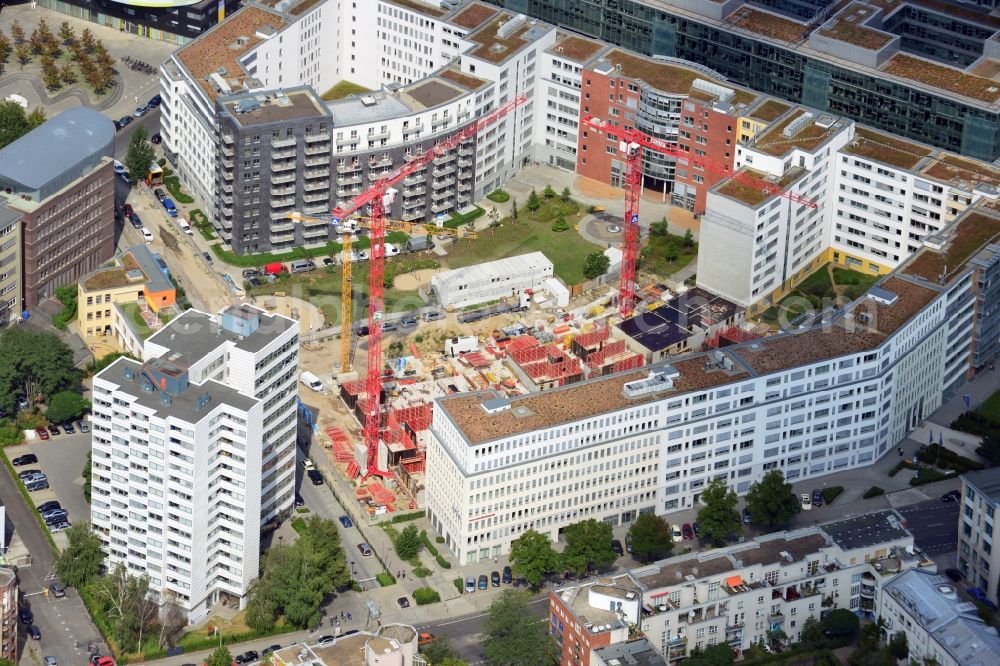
point(54, 430)
point(119, 167)
point(147, 235)
point(628, 544)
point(307, 464)
point(128, 211)
point(326, 640)
point(315, 477)
point(951, 496)
point(746, 516)
point(299, 501)
point(56, 517)
point(247, 657)
point(208, 257)
point(616, 545)
point(806, 502)
point(408, 322)
point(37, 484)
point(328, 261)
point(495, 578)
point(126, 178)
point(426, 638)
point(42, 433)
point(50, 661)
point(817, 498)
point(140, 111)
point(269, 649)
point(470, 584)
point(688, 532)
point(954, 574)
point(27, 617)
point(388, 326)
point(156, 139)
point(83, 426)
point(35, 634)
point(69, 429)
point(403, 602)
point(364, 549)
point(159, 194)
point(508, 575)
point(58, 590)
point(433, 315)
point(27, 474)
point(125, 121)
point(675, 533)
point(48, 506)
point(697, 532)
point(346, 521)
point(55, 511)
point(26, 459)
point(249, 273)
point(136, 222)
point(483, 582)
point(59, 527)
point(154, 101)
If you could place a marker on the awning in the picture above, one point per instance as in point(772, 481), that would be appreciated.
point(734, 581)
point(658, 595)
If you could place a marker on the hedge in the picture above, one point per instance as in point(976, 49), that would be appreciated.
point(832, 493)
point(498, 196)
point(929, 475)
point(456, 220)
point(196, 644)
point(385, 579)
point(406, 517)
point(299, 525)
point(426, 595)
point(947, 459)
point(257, 260)
point(898, 467)
point(459, 585)
point(874, 491)
point(443, 563)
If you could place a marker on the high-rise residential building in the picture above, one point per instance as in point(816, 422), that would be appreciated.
point(194, 451)
point(976, 520)
point(832, 395)
point(57, 183)
point(9, 596)
point(920, 70)
point(940, 627)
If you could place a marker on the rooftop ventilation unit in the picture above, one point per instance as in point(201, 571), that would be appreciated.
point(657, 380)
point(368, 100)
point(219, 83)
point(511, 26)
point(722, 92)
point(825, 121)
point(128, 373)
point(203, 400)
point(796, 125)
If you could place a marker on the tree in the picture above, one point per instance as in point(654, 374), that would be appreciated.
point(22, 53)
point(812, 633)
point(86, 474)
point(671, 252)
point(898, 646)
point(140, 154)
point(718, 518)
point(512, 637)
point(565, 196)
point(221, 657)
point(408, 543)
point(172, 624)
point(713, 655)
point(17, 32)
point(840, 623)
point(36, 118)
point(50, 73)
point(68, 74)
point(33, 364)
point(87, 40)
point(588, 546)
point(650, 538)
point(513, 210)
point(439, 650)
point(548, 192)
point(13, 122)
point(66, 406)
point(36, 42)
point(5, 47)
point(659, 228)
point(533, 202)
point(560, 224)
point(533, 557)
point(127, 606)
point(80, 562)
point(771, 500)
point(66, 33)
point(688, 239)
point(595, 265)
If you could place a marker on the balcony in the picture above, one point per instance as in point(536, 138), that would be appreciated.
point(313, 185)
point(349, 180)
point(282, 154)
point(227, 199)
point(227, 211)
point(442, 172)
point(313, 138)
point(227, 163)
point(413, 180)
point(322, 160)
point(378, 136)
point(443, 206)
point(284, 165)
point(287, 178)
point(464, 187)
point(412, 215)
point(283, 227)
point(414, 203)
point(440, 194)
point(227, 175)
point(318, 232)
point(317, 173)
point(281, 191)
point(447, 182)
point(318, 149)
point(227, 138)
point(414, 191)
point(318, 209)
point(384, 162)
point(316, 197)
point(226, 187)
point(465, 151)
point(776, 620)
point(346, 141)
point(348, 168)
point(283, 143)
point(465, 162)
point(868, 586)
point(227, 150)
point(440, 122)
point(444, 159)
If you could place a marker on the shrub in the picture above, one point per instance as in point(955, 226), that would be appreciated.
point(427, 543)
point(947, 459)
point(443, 563)
point(385, 579)
point(299, 525)
point(899, 467)
point(421, 572)
point(929, 475)
point(498, 196)
point(406, 517)
point(459, 585)
point(408, 543)
point(832, 493)
point(426, 595)
point(874, 491)
point(10, 434)
point(456, 220)
point(439, 539)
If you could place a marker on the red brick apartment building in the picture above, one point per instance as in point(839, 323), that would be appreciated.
point(581, 618)
point(676, 104)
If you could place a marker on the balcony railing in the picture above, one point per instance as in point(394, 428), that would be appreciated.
point(284, 165)
point(283, 143)
point(312, 185)
point(318, 149)
point(384, 162)
point(282, 154)
point(287, 178)
point(348, 168)
point(348, 180)
point(281, 191)
point(347, 140)
point(317, 173)
point(313, 138)
point(444, 159)
point(378, 136)
point(322, 160)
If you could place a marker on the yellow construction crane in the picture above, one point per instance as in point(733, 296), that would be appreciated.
point(347, 228)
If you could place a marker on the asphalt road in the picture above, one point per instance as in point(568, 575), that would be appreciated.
point(934, 525)
point(64, 623)
point(151, 121)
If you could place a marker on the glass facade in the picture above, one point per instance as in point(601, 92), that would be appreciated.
point(893, 106)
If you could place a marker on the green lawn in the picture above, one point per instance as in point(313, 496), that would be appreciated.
point(131, 310)
point(342, 90)
point(654, 254)
point(991, 408)
point(818, 290)
point(532, 233)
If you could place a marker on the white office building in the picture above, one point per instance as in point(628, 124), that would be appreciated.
point(940, 628)
point(828, 398)
point(194, 451)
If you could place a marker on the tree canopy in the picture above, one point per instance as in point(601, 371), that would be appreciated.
point(15, 122)
point(718, 518)
point(840, 623)
point(595, 265)
point(771, 500)
point(532, 556)
point(81, 560)
point(140, 154)
point(32, 364)
point(408, 543)
point(439, 652)
point(66, 406)
point(297, 578)
point(713, 655)
point(588, 546)
point(513, 637)
point(221, 657)
point(650, 538)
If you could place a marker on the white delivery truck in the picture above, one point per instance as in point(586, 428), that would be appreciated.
point(312, 381)
point(455, 346)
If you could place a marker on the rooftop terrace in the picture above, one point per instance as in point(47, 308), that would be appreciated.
point(665, 77)
point(574, 402)
point(770, 110)
point(765, 550)
point(474, 15)
point(673, 571)
point(219, 48)
point(467, 81)
point(848, 26)
point(767, 24)
point(494, 48)
point(943, 77)
point(885, 148)
point(274, 107)
point(577, 49)
point(812, 135)
point(958, 170)
point(965, 237)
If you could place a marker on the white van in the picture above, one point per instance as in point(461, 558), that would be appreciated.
point(312, 381)
point(455, 346)
point(185, 227)
point(147, 235)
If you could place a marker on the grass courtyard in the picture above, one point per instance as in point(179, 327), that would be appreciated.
point(828, 285)
point(533, 232)
point(342, 90)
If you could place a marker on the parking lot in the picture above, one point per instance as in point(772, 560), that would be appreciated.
point(61, 458)
point(934, 525)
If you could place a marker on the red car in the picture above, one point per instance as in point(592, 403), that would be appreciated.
point(687, 531)
point(42, 433)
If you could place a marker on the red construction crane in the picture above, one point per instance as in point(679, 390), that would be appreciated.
point(379, 197)
point(631, 143)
